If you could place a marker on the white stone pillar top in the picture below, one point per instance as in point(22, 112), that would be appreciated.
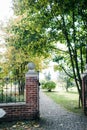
point(31, 70)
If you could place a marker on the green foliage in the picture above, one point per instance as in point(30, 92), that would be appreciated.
point(69, 83)
point(6, 99)
point(42, 24)
point(47, 76)
point(49, 85)
point(42, 83)
point(65, 81)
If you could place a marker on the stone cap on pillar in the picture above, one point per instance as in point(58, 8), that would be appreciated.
point(31, 70)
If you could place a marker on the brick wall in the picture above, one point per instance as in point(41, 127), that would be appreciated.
point(28, 109)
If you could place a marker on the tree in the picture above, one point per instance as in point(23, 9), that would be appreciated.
point(53, 21)
point(47, 76)
point(18, 52)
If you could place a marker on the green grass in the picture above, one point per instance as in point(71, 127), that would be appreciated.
point(68, 100)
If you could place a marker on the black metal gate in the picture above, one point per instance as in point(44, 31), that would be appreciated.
point(12, 90)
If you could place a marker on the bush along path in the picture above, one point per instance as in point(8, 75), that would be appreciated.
point(52, 117)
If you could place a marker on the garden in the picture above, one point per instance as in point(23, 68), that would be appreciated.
point(45, 32)
point(67, 99)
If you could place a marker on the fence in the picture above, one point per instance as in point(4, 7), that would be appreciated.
point(23, 101)
point(12, 90)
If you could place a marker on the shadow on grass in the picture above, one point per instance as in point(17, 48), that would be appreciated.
point(53, 91)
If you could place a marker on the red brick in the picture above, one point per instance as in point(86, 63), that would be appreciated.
point(29, 110)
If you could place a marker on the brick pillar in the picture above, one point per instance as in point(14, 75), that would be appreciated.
point(32, 90)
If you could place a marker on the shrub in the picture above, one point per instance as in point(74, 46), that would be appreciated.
point(6, 99)
point(42, 82)
point(49, 85)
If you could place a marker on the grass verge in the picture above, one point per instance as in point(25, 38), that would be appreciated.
point(68, 100)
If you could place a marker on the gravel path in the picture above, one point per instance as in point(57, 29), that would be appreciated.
point(54, 117)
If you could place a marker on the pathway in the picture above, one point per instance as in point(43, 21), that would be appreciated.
point(54, 117)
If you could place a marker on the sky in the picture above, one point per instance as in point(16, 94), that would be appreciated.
point(5, 9)
point(5, 13)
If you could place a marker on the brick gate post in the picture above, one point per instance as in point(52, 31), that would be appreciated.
point(32, 90)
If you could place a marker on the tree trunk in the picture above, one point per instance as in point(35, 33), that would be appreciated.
point(74, 61)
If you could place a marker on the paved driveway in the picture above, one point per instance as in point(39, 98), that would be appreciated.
point(54, 117)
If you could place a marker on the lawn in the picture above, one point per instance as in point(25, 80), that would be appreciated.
point(68, 100)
